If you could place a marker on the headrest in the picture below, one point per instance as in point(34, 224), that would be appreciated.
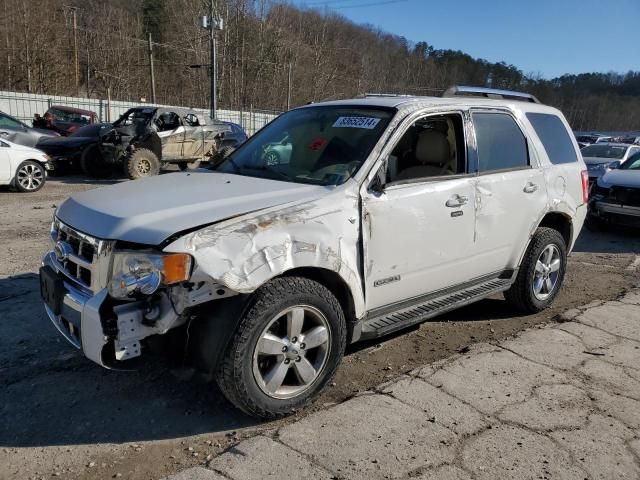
point(432, 148)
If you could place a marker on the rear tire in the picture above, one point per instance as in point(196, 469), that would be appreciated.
point(286, 347)
point(92, 163)
point(541, 273)
point(141, 163)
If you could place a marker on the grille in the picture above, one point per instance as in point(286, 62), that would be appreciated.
point(626, 196)
point(77, 255)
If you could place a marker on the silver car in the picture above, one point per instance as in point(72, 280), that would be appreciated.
point(615, 198)
point(18, 132)
point(602, 157)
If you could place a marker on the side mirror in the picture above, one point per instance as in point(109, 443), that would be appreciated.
point(614, 165)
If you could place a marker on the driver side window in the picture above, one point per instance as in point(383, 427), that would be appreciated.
point(433, 146)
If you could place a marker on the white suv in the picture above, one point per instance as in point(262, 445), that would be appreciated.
point(388, 211)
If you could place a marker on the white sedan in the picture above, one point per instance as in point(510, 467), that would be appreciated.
point(23, 168)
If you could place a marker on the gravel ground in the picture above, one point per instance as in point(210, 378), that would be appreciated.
point(66, 417)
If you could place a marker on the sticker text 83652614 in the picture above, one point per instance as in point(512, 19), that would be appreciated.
point(356, 122)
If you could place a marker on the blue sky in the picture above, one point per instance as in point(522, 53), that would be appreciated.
point(540, 36)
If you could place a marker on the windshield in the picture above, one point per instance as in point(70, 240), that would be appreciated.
point(604, 151)
point(134, 115)
point(633, 163)
point(323, 145)
point(70, 116)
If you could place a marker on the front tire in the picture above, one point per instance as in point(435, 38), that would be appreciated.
point(30, 177)
point(285, 349)
point(541, 273)
point(92, 163)
point(141, 163)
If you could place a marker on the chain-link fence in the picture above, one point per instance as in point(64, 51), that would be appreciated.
point(25, 105)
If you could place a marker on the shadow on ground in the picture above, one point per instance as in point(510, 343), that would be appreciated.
point(51, 395)
point(610, 239)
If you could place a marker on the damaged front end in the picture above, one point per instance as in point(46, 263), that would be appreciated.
point(108, 302)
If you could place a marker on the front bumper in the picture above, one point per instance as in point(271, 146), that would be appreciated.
point(619, 214)
point(79, 318)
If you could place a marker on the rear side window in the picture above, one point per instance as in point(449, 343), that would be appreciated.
point(501, 144)
point(554, 137)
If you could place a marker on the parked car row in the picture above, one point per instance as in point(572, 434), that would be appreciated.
point(586, 139)
point(602, 157)
point(142, 141)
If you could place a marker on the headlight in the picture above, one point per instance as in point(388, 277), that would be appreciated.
point(133, 272)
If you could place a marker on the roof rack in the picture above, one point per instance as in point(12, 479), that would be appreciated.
point(385, 95)
point(463, 91)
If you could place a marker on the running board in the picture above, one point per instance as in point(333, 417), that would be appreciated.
point(429, 307)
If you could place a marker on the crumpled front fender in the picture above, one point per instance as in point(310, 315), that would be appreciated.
point(245, 252)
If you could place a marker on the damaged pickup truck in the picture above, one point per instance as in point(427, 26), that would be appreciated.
point(144, 139)
point(388, 212)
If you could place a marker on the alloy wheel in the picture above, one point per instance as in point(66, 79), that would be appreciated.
point(30, 177)
point(547, 272)
point(291, 351)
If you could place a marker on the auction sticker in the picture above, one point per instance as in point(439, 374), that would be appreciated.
point(356, 122)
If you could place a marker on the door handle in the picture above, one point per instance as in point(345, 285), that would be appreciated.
point(530, 187)
point(456, 201)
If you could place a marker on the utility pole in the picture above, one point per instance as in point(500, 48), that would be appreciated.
point(213, 25)
point(151, 72)
point(289, 86)
point(9, 82)
point(88, 71)
point(75, 48)
point(212, 67)
point(26, 44)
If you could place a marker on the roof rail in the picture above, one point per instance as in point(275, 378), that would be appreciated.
point(385, 95)
point(464, 91)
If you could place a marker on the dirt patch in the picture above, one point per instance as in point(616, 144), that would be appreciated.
point(65, 415)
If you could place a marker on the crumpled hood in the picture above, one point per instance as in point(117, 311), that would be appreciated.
point(150, 210)
point(620, 178)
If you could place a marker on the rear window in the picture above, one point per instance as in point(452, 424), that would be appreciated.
point(501, 144)
point(554, 137)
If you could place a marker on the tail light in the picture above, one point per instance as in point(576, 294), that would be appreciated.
point(585, 186)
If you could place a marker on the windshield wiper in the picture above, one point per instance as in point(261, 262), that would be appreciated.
point(280, 173)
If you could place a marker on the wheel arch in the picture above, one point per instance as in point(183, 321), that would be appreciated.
point(334, 283)
point(562, 223)
point(559, 221)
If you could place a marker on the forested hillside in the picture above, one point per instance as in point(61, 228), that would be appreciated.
point(263, 41)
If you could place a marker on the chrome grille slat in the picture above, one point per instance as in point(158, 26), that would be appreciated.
point(87, 265)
